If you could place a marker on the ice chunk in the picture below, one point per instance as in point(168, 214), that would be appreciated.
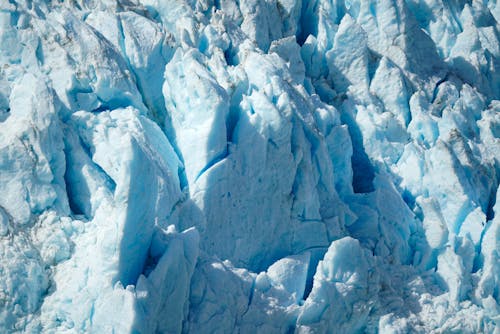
point(163, 294)
point(290, 12)
point(340, 151)
point(143, 168)
point(199, 118)
point(52, 237)
point(384, 222)
point(227, 298)
point(220, 295)
point(81, 77)
point(454, 266)
point(488, 286)
point(146, 50)
point(423, 127)
point(258, 22)
point(476, 48)
point(389, 86)
point(348, 60)
point(289, 50)
point(291, 274)
point(451, 194)
point(473, 224)
point(145, 152)
point(344, 290)
point(25, 282)
point(434, 224)
point(31, 153)
point(107, 24)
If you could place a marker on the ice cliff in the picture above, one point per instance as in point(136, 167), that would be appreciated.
point(249, 166)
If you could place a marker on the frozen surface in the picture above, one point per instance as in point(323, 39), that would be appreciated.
point(251, 166)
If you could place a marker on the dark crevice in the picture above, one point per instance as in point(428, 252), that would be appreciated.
point(490, 213)
point(250, 299)
point(71, 193)
point(363, 172)
point(150, 263)
point(308, 24)
point(478, 261)
point(373, 63)
point(317, 254)
point(408, 198)
point(112, 104)
point(76, 184)
point(110, 183)
point(233, 116)
point(39, 53)
point(362, 168)
point(123, 51)
point(231, 122)
point(100, 109)
point(74, 206)
point(10, 219)
point(4, 114)
point(219, 157)
point(309, 286)
point(230, 55)
point(434, 93)
point(156, 112)
point(181, 174)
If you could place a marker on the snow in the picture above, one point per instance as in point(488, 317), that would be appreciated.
point(247, 166)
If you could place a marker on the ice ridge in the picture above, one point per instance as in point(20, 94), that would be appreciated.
point(250, 166)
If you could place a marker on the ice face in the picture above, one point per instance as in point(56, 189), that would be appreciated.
point(249, 166)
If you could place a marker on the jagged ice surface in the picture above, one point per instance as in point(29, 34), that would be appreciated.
point(251, 166)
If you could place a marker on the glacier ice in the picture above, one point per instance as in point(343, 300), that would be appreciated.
point(270, 166)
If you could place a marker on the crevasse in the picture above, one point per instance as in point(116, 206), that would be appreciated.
point(249, 166)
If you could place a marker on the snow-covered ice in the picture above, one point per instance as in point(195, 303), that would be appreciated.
point(250, 166)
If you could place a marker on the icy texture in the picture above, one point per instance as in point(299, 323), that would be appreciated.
point(250, 166)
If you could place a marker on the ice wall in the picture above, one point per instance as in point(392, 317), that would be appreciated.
point(249, 166)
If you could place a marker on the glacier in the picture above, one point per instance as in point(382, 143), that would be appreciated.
point(250, 166)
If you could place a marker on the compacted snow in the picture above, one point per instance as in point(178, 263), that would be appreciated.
point(249, 166)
